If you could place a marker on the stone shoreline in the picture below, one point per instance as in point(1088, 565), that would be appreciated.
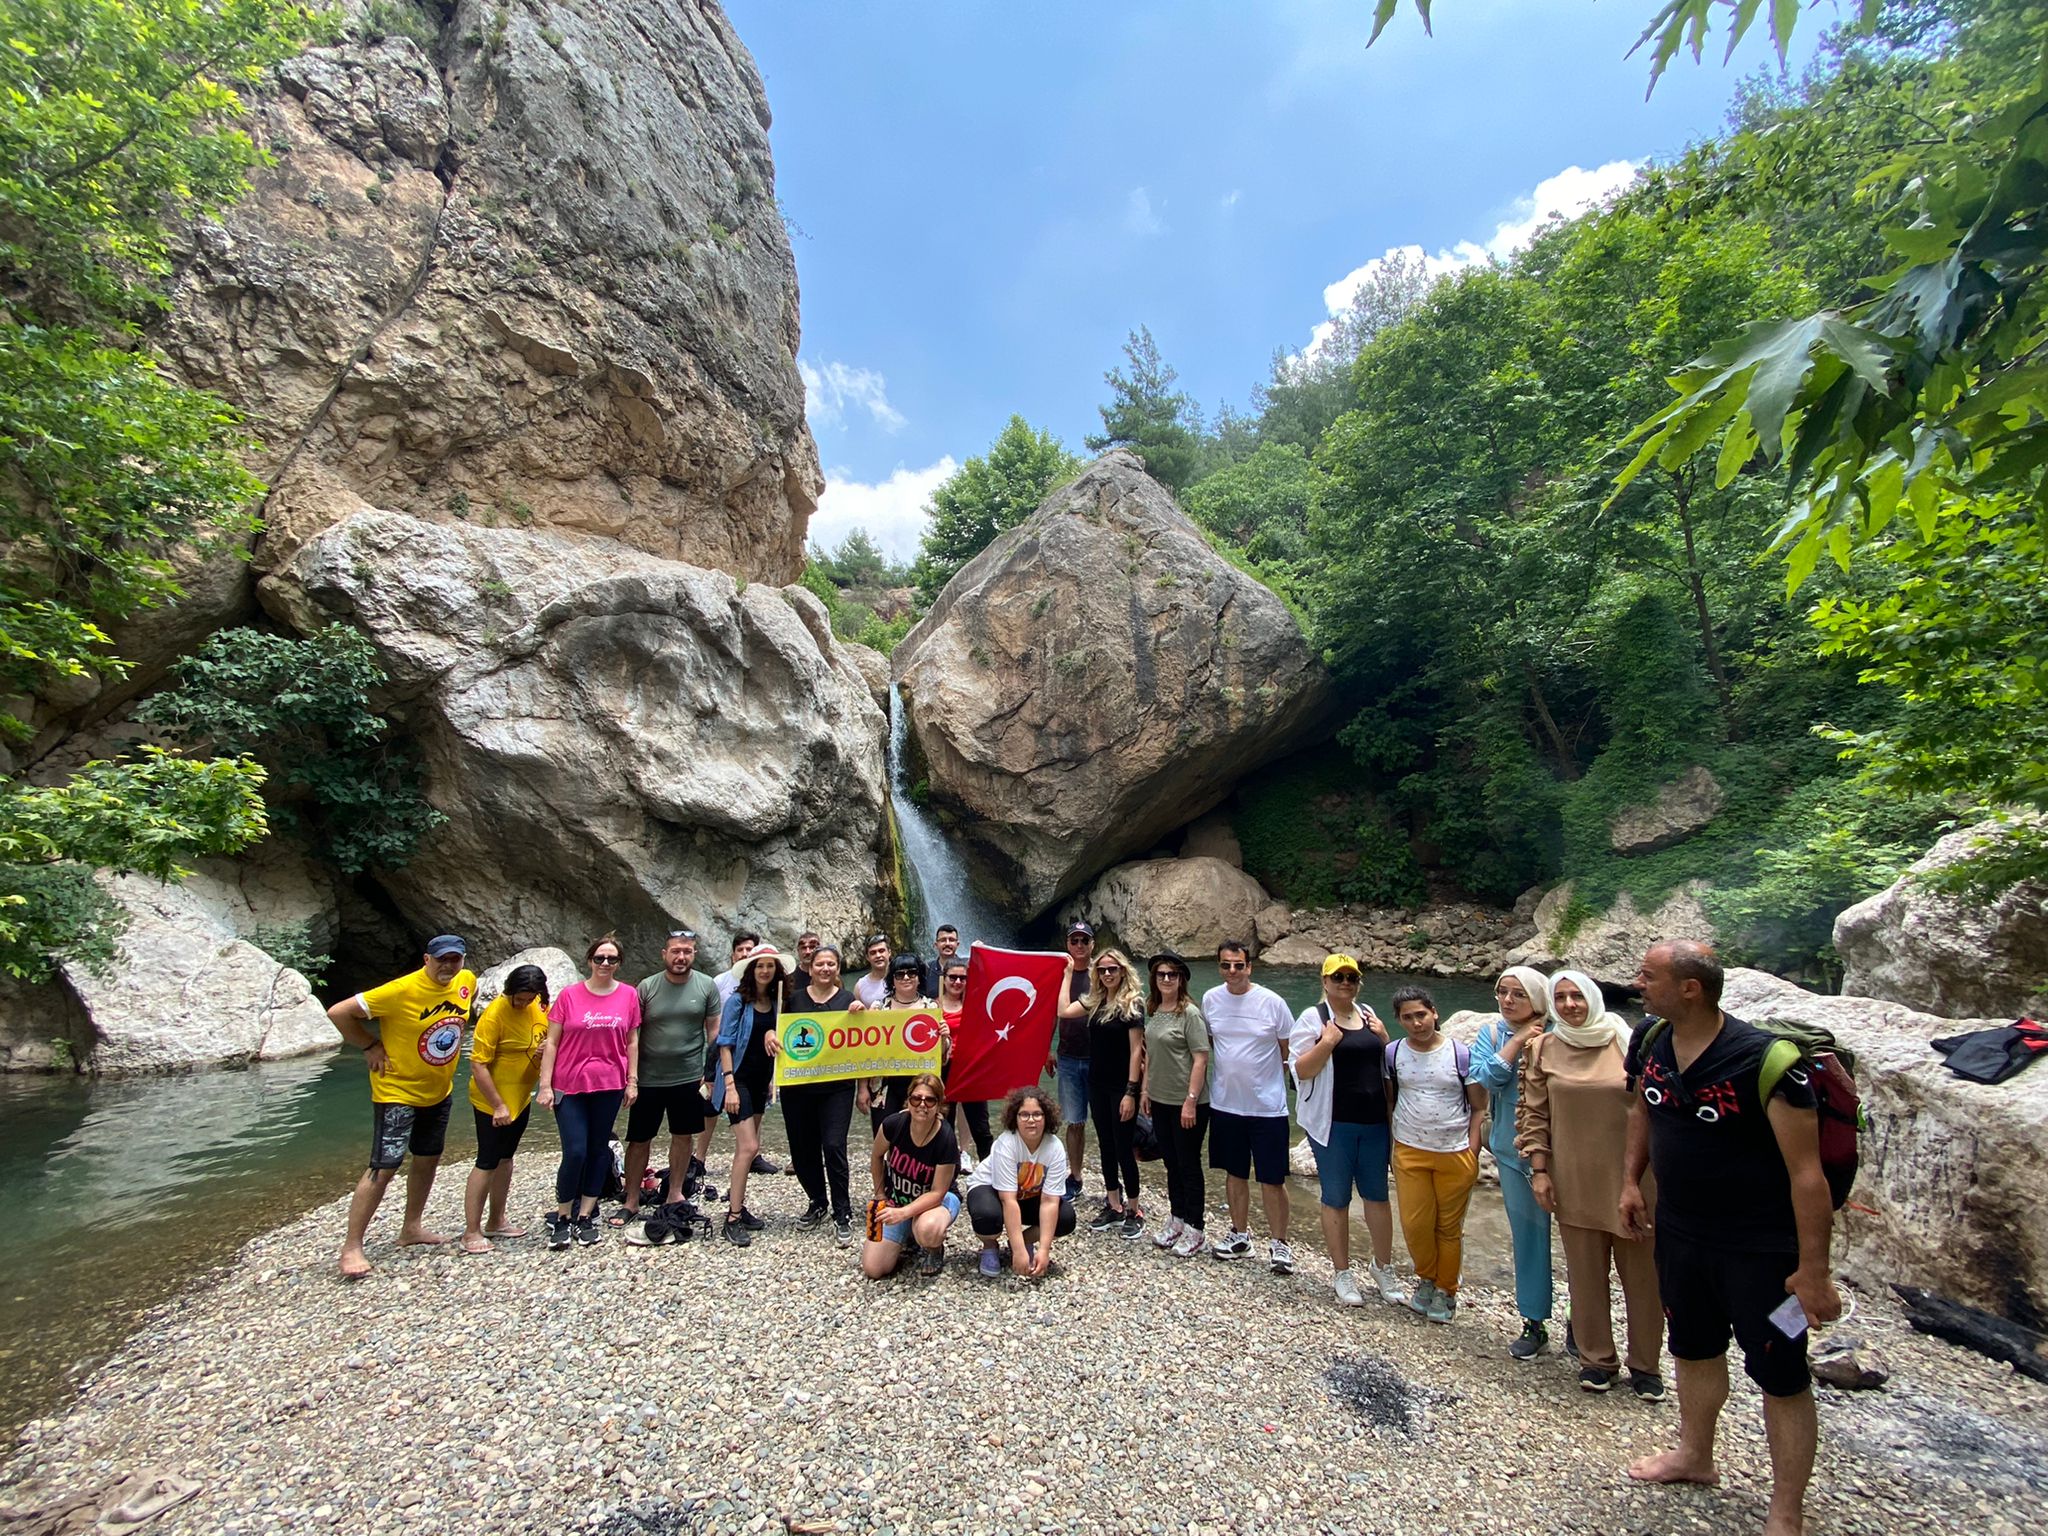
point(703, 1388)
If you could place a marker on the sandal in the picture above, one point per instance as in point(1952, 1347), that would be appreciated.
point(624, 1216)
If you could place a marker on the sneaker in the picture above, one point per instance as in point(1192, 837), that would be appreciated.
point(812, 1217)
point(561, 1230)
point(750, 1221)
point(1571, 1345)
point(842, 1232)
point(1347, 1289)
point(1593, 1379)
point(652, 1234)
point(1134, 1223)
point(1234, 1245)
point(1169, 1234)
point(1530, 1344)
point(1073, 1189)
point(1107, 1220)
point(930, 1261)
point(1280, 1256)
point(966, 1161)
point(1389, 1283)
point(588, 1233)
point(696, 1170)
point(736, 1231)
point(1442, 1307)
point(1649, 1388)
point(991, 1263)
point(1191, 1242)
point(1423, 1297)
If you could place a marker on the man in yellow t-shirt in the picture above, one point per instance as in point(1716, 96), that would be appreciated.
point(420, 1020)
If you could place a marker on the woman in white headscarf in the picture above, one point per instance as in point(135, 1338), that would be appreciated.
point(1523, 996)
point(1573, 1134)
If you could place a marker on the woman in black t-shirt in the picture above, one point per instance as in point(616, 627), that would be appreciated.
point(915, 1158)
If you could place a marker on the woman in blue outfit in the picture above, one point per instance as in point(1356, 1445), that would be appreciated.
point(1523, 996)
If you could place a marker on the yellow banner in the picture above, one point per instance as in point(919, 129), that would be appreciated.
point(881, 1042)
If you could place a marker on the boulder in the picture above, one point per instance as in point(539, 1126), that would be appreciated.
point(873, 667)
point(1293, 950)
point(270, 886)
point(1272, 923)
point(1191, 905)
point(1680, 809)
point(1094, 679)
point(1949, 1194)
point(1212, 837)
point(618, 742)
point(1609, 946)
point(186, 992)
point(1949, 954)
point(42, 1028)
point(559, 966)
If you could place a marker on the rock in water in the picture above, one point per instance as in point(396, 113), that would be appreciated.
point(1957, 955)
point(1095, 678)
point(1191, 905)
point(617, 741)
point(1609, 946)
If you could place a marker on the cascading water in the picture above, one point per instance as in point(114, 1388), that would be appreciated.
point(940, 889)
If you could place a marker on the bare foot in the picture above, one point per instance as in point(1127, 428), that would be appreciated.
point(418, 1237)
point(475, 1242)
point(354, 1264)
point(501, 1230)
point(1673, 1467)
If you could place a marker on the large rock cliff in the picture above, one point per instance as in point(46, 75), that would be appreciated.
point(1097, 677)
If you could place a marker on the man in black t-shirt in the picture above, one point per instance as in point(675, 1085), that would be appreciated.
point(1742, 1222)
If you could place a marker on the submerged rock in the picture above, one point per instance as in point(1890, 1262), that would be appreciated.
point(1096, 678)
point(1191, 905)
point(618, 742)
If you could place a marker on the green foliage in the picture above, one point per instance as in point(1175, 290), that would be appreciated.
point(291, 944)
point(301, 707)
point(1147, 415)
point(1260, 506)
point(399, 18)
point(1309, 837)
point(985, 496)
point(853, 620)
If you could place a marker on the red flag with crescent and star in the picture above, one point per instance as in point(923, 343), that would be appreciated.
point(1006, 1022)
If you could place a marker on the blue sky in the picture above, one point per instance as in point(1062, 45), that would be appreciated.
point(989, 196)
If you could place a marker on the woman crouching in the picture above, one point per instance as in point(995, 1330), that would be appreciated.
point(914, 1161)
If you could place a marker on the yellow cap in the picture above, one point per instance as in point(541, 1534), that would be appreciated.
point(1338, 963)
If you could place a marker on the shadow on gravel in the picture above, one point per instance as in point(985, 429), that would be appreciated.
point(1941, 1442)
point(656, 1517)
point(1371, 1388)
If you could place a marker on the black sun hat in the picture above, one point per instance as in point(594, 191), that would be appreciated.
point(1171, 958)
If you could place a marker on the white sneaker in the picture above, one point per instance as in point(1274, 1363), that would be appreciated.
point(1389, 1283)
point(1232, 1245)
point(1169, 1234)
point(1347, 1289)
point(1192, 1242)
point(1280, 1256)
point(966, 1162)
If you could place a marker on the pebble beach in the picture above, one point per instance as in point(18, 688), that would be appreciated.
point(706, 1388)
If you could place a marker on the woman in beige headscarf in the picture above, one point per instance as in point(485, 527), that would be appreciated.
point(1572, 1128)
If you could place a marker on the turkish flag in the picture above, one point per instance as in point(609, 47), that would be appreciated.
point(1005, 1034)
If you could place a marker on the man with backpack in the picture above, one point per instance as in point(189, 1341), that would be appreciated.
point(1726, 1114)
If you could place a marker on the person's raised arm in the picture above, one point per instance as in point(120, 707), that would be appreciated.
point(1494, 1055)
point(1813, 1210)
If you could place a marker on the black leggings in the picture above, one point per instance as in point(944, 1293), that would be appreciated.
point(1187, 1195)
point(817, 1117)
point(985, 1213)
point(1115, 1136)
point(976, 1113)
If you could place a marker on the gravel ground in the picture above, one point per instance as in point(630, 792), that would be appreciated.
point(704, 1388)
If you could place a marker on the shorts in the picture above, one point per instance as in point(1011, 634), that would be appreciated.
point(495, 1144)
point(1356, 1158)
point(1073, 1085)
point(397, 1128)
point(681, 1103)
point(753, 1100)
point(899, 1231)
point(1240, 1143)
point(1710, 1293)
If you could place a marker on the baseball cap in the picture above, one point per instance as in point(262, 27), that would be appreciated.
point(1081, 928)
point(445, 944)
point(1336, 963)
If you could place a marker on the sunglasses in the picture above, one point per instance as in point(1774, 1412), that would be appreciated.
point(682, 933)
point(1344, 979)
point(922, 1098)
point(1233, 965)
point(1108, 970)
point(1077, 942)
point(1166, 975)
point(604, 959)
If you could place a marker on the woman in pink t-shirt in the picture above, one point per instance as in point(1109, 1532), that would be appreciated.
point(591, 1065)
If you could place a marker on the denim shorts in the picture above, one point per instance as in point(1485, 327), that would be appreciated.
point(1073, 1076)
point(1356, 1158)
point(899, 1231)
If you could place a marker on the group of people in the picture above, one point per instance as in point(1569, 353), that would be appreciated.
point(1668, 1159)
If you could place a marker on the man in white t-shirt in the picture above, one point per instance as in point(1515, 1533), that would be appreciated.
point(1248, 1030)
point(873, 988)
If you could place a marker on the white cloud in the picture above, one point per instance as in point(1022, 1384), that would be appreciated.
point(1140, 218)
point(1229, 199)
point(830, 389)
point(892, 510)
point(1566, 195)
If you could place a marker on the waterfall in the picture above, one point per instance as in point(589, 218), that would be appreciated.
point(940, 889)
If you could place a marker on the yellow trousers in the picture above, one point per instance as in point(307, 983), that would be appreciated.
point(1433, 1189)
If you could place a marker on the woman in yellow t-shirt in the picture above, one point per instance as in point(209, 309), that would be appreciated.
point(504, 1062)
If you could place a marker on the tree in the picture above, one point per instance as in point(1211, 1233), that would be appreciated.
point(857, 561)
point(1310, 389)
point(1147, 415)
point(117, 117)
point(985, 496)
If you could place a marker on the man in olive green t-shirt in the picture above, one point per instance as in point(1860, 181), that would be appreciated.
point(679, 1010)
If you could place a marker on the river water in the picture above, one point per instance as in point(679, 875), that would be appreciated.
point(117, 1194)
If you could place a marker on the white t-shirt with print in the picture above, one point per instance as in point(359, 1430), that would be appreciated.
point(1431, 1111)
point(1013, 1166)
